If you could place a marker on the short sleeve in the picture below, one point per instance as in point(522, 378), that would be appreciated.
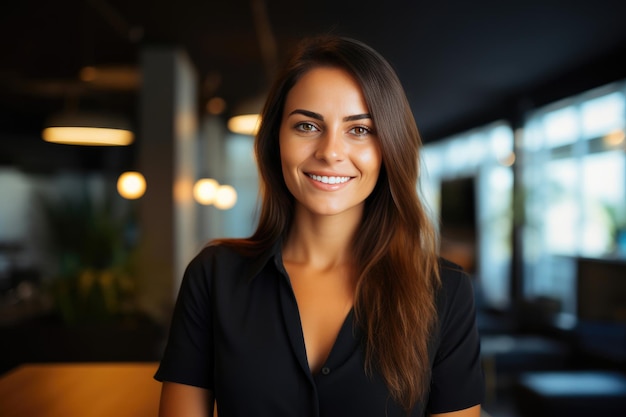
point(188, 355)
point(457, 376)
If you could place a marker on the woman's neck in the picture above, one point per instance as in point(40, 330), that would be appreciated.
point(321, 241)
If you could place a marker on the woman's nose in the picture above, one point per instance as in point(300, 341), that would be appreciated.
point(331, 147)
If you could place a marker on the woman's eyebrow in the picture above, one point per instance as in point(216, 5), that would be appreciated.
point(308, 113)
point(319, 117)
point(357, 117)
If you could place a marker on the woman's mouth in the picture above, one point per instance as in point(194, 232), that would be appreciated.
point(329, 179)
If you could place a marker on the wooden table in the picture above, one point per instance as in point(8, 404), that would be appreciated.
point(80, 390)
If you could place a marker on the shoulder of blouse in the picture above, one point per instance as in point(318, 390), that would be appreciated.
point(452, 274)
point(218, 259)
point(456, 286)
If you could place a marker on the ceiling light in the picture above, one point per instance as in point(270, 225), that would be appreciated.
point(111, 77)
point(90, 129)
point(247, 116)
point(244, 124)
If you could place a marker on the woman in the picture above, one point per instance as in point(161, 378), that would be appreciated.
point(338, 305)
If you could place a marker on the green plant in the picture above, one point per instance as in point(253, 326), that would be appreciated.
point(93, 279)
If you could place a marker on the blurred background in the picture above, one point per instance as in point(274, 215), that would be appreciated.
point(120, 158)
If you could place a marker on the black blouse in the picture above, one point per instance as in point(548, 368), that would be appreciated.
point(236, 331)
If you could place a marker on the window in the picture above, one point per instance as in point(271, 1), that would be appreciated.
point(467, 181)
point(573, 189)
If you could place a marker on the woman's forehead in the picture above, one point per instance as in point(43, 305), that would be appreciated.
point(329, 89)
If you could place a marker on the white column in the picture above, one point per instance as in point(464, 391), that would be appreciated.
point(167, 147)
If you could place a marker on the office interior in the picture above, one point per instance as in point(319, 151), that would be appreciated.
point(523, 171)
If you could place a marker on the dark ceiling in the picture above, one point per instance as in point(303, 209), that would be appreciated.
point(463, 63)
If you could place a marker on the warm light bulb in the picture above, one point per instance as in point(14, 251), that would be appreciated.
point(216, 105)
point(615, 138)
point(131, 185)
point(508, 160)
point(205, 190)
point(225, 198)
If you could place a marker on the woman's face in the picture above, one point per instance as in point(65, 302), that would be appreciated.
point(329, 150)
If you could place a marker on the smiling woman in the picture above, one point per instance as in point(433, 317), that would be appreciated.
point(330, 155)
point(338, 304)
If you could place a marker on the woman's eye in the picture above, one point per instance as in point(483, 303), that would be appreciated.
point(306, 127)
point(360, 130)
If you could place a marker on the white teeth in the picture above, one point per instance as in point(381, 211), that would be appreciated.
point(329, 180)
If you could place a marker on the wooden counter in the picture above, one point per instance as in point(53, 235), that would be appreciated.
point(80, 390)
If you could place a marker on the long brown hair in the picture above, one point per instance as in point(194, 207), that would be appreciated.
point(395, 248)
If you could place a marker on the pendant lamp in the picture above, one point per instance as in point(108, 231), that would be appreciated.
point(88, 129)
point(247, 116)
